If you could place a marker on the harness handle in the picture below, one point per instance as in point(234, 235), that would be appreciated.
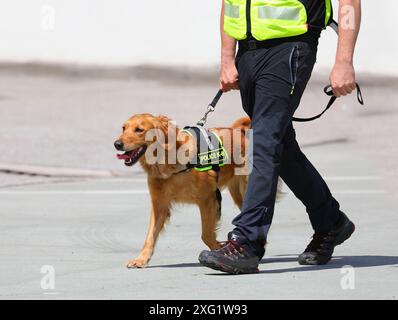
point(329, 92)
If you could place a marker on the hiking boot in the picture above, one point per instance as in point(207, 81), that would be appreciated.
point(234, 257)
point(320, 249)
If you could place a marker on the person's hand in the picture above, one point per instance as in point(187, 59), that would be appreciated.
point(229, 76)
point(342, 79)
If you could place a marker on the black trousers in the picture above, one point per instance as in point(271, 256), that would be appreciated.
point(272, 81)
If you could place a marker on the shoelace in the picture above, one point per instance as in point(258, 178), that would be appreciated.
point(232, 248)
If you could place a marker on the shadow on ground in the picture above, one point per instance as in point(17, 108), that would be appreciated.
point(336, 263)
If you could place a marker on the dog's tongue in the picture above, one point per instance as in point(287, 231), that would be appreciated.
point(124, 156)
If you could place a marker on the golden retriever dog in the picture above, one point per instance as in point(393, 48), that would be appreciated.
point(168, 182)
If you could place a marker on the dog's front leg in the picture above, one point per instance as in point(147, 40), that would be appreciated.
point(159, 215)
point(210, 212)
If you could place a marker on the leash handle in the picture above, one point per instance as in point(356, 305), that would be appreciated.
point(210, 108)
point(329, 92)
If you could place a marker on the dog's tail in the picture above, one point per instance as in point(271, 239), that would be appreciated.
point(244, 123)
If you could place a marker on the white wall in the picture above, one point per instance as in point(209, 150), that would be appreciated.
point(174, 32)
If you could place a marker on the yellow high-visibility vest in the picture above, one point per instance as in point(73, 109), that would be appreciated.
point(271, 19)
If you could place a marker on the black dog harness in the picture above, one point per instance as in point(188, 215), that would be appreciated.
point(211, 154)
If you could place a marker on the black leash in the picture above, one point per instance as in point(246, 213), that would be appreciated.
point(211, 108)
point(328, 89)
point(329, 92)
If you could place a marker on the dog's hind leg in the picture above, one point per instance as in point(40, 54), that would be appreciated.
point(160, 213)
point(210, 209)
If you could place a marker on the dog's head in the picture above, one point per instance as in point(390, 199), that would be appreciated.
point(132, 140)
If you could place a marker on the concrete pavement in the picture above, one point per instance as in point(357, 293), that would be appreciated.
point(65, 120)
point(87, 230)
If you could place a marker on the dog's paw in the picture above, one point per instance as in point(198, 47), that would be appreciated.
point(137, 263)
point(220, 244)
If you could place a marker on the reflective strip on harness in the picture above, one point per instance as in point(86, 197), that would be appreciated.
point(279, 13)
point(211, 152)
point(231, 11)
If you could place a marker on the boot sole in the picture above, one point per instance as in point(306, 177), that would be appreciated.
point(228, 269)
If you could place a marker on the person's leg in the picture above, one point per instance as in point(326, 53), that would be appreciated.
point(281, 75)
point(332, 227)
point(307, 185)
point(272, 82)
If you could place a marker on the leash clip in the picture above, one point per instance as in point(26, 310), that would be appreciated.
point(203, 121)
point(211, 108)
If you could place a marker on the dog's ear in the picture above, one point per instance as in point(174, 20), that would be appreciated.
point(165, 124)
point(162, 123)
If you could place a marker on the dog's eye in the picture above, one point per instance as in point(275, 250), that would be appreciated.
point(139, 130)
point(124, 128)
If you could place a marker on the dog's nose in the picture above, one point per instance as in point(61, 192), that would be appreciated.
point(119, 145)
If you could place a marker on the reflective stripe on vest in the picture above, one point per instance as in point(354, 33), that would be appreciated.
point(269, 19)
point(235, 18)
point(231, 11)
point(279, 13)
point(278, 19)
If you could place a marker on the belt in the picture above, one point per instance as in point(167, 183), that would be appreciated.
point(310, 37)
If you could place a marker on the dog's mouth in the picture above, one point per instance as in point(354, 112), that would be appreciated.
point(131, 157)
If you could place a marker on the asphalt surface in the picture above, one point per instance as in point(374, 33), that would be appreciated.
point(87, 229)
